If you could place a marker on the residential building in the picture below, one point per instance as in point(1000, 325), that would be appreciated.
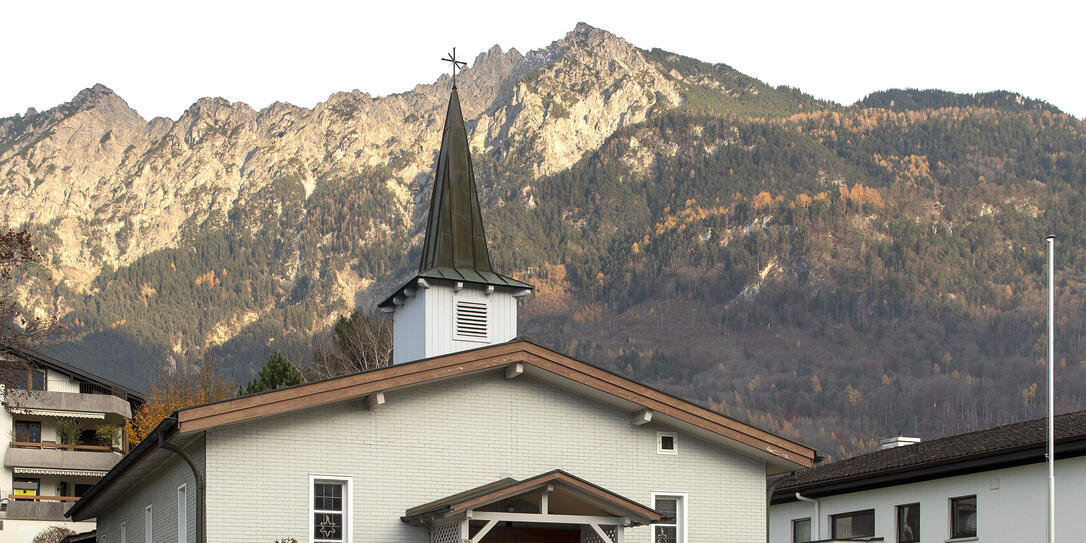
point(471, 435)
point(989, 485)
point(65, 430)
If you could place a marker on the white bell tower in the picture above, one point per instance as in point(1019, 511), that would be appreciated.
point(457, 301)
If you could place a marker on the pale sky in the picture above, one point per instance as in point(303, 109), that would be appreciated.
point(161, 56)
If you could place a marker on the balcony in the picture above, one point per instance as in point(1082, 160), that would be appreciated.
point(60, 457)
point(67, 401)
point(49, 508)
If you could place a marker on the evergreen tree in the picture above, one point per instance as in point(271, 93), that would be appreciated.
point(277, 373)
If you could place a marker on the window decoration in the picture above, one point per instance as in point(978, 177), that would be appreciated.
point(853, 525)
point(908, 523)
point(963, 517)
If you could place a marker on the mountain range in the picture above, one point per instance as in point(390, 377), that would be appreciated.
point(833, 273)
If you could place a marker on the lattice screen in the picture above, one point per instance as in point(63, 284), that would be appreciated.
point(588, 535)
point(445, 532)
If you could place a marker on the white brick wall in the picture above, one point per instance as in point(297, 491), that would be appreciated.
point(441, 438)
point(159, 489)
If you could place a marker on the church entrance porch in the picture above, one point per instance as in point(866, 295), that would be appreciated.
point(553, 507)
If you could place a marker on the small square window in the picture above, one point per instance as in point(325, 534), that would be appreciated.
point(963, 517)
point(667, 443)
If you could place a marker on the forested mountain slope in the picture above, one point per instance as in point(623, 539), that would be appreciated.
point(831, 273)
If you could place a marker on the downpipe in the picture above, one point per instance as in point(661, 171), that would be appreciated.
point(201, 511)
point(816, 523)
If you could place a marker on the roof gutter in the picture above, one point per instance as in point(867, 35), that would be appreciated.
point(197, 473)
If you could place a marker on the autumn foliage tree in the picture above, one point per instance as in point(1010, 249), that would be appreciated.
point(177, 390)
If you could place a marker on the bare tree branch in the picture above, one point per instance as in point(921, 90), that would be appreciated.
point(357, 343)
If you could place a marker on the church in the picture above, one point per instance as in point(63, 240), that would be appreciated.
point(471, 435)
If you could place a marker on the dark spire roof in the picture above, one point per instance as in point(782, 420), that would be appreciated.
point(454, 231)
point(455, 245)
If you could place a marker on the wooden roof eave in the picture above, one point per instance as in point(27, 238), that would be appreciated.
point(782, 453)
point(607, 500)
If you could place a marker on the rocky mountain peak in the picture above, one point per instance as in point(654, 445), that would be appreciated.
point(93, 95)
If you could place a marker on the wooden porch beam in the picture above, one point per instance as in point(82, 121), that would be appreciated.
point(603, 535)
point(545, 519)
point(482, 533)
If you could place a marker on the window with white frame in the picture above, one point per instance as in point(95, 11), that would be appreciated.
point(963, 516)
point(672, 525)
point(908, 523)
point(801, 530)
point(853, 525)
point(147, 525)
point(667, 443)
point(182, 515)
point(330, 509)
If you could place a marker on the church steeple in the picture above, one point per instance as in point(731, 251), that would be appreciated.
point(457, 301)
point(454, 231)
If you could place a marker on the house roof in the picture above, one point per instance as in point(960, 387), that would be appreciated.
point(41, 359)
point(994, 448)
point(779, 453)
point(508, 488)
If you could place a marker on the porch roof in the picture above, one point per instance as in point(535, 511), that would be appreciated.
point(502, 489)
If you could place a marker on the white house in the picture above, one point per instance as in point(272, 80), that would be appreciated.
point(990, 485)
point(65, 430)
point(472, 435)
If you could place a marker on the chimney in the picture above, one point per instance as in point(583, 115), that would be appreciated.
point(899, 441)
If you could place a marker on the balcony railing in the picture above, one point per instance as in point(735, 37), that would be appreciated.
point(26, 497)
point(67, 401)
point(61, 457)
point(61, 446)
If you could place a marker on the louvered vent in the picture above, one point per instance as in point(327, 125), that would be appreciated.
point(471, 322)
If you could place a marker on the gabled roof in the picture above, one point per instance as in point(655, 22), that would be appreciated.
point(44, 360)
point(994, 448)
point(780, 454)
point(508, 488)
point(186, 425)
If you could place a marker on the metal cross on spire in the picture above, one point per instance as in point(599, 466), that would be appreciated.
point(456, 64)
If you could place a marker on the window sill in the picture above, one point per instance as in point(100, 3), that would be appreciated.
point(961, 539)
